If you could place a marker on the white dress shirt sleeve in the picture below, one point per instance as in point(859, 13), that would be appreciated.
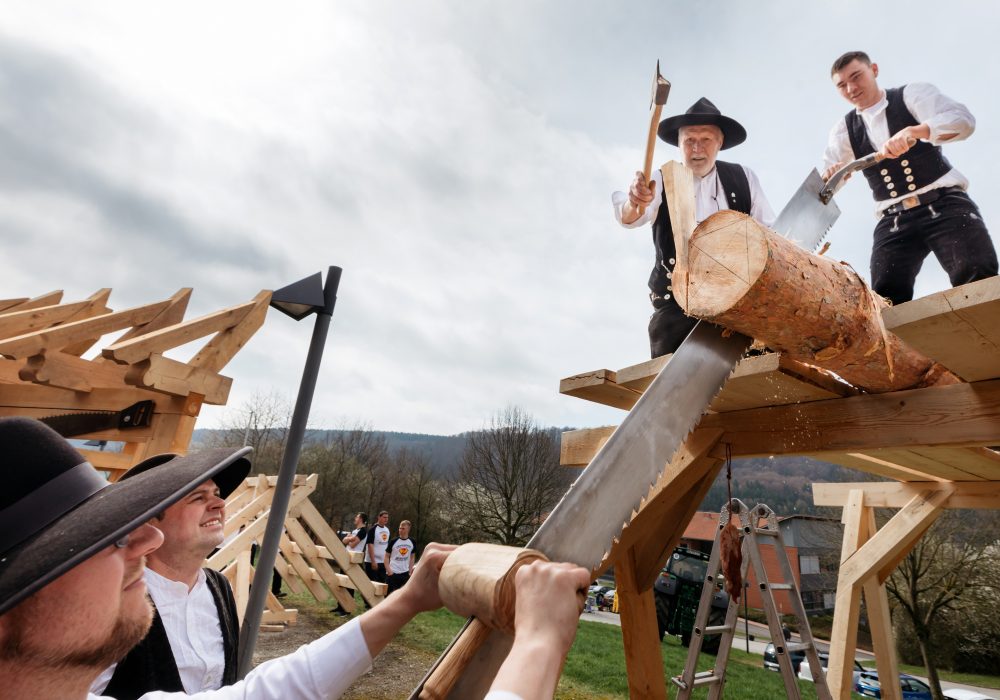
point(320, 670)
point(948, 120)
point(838, 146)
point(760, 208)
point(620, 199)
point(502, 695)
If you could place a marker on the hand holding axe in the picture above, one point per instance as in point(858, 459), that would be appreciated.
point(661, 88)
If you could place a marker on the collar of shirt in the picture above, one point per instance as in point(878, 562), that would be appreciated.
point(165, 591)
point(869, 113)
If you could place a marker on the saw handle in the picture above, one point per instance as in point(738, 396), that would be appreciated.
point(837, 180)
point(477, 580)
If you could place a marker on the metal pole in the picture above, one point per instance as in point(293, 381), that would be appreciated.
point(286, 476)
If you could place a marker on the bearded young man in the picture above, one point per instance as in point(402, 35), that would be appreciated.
point(73, 598)
point(193, 642)
point(920, 200)
point(701, 133)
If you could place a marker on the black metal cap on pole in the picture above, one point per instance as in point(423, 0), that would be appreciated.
point(292, 300)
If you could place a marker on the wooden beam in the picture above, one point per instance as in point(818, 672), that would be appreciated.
point(57, 337)
point(48, 299)
point(159, 373)
point(220, 350)
point(880, 622)
point(958, 415)
point(599, 386)
point(637, 613)
point(899, 534)
point(660, 506)
point(21, 322)
point(959, 327)
point(58, 369)
point(971, 494)
point(172, 314)
point(578, 447)
point(847, 606)
point(136, 349)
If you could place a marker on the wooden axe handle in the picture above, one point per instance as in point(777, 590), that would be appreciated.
point(647, 168)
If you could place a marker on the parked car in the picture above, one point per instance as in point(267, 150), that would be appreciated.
point(771, 659)
point(913, 688)
point(600, 593)
point(963, 694)
point(806, 674)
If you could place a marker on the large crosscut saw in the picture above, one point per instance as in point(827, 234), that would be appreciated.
point(632, 460)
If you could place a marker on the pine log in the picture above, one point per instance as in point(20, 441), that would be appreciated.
point(747, 278)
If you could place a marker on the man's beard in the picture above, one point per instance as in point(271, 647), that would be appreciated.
point(18, 644)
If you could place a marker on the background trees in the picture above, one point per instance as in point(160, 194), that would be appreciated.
point(945, 594)
point(508, 478)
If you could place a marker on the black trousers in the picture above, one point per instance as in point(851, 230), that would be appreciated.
point(397, 581)
point(668, 327)
point(951, 227)
point(376, 572)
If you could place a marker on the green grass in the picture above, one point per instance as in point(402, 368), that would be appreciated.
point(595, 666)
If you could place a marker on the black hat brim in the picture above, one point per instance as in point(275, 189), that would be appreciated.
point(105, 517)
point(227, 478)
point(733, 133)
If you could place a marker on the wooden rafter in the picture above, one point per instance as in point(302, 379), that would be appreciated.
point(43, 373)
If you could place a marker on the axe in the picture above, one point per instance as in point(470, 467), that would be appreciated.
point(661, 88)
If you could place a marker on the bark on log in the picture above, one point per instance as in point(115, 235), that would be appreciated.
point(750, 279)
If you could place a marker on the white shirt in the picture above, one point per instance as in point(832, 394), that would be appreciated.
point(359, 533)
point(191, 621)
point(322, 669)
point(379, 541)
point(944, 116)
point(709, 196)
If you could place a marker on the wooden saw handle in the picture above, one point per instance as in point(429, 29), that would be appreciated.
point(477, 580)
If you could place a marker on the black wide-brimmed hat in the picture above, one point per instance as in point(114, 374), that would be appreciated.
point(702, 113)
point(231, 476)
point(56, 510)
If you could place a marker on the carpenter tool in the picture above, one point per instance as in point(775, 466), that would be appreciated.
point(632, 459)
point(661, 88)
point(68, 425)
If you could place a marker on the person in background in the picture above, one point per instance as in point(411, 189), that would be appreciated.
point(399, 558)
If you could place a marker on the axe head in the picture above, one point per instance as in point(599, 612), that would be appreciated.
point(661, 88)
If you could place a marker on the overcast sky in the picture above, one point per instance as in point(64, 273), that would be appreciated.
point(456, 159)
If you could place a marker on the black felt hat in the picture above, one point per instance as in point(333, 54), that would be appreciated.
point(231, 476)
point(702, 113)
point(56, 510)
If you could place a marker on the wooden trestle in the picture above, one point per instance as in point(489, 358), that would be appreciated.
point(930, 443)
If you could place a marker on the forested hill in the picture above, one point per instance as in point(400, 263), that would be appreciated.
point(781, 483)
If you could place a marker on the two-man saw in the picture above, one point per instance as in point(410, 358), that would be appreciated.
point(630, 461)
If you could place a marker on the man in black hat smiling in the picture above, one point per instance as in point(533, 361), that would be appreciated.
point(177, 655)
point(701, 133)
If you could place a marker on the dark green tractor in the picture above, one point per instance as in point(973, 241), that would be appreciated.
point(678, 589)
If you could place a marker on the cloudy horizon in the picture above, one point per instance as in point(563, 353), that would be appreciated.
point(456, 160)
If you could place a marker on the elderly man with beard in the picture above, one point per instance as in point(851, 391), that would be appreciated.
point(193, 642)
point(701, 133)
point(73, 596)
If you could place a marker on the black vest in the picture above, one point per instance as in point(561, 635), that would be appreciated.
point(896, 177)
point(737, 187)
point(150, 665)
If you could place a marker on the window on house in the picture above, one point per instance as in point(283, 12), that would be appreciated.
point(808, 564)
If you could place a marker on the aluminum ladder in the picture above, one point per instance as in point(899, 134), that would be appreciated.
point(751, 534)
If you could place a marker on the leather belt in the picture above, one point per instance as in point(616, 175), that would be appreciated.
point(917, 200)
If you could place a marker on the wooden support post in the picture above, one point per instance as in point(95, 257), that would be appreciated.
point(880, 623)
point(637, 610)
point(844, 635)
